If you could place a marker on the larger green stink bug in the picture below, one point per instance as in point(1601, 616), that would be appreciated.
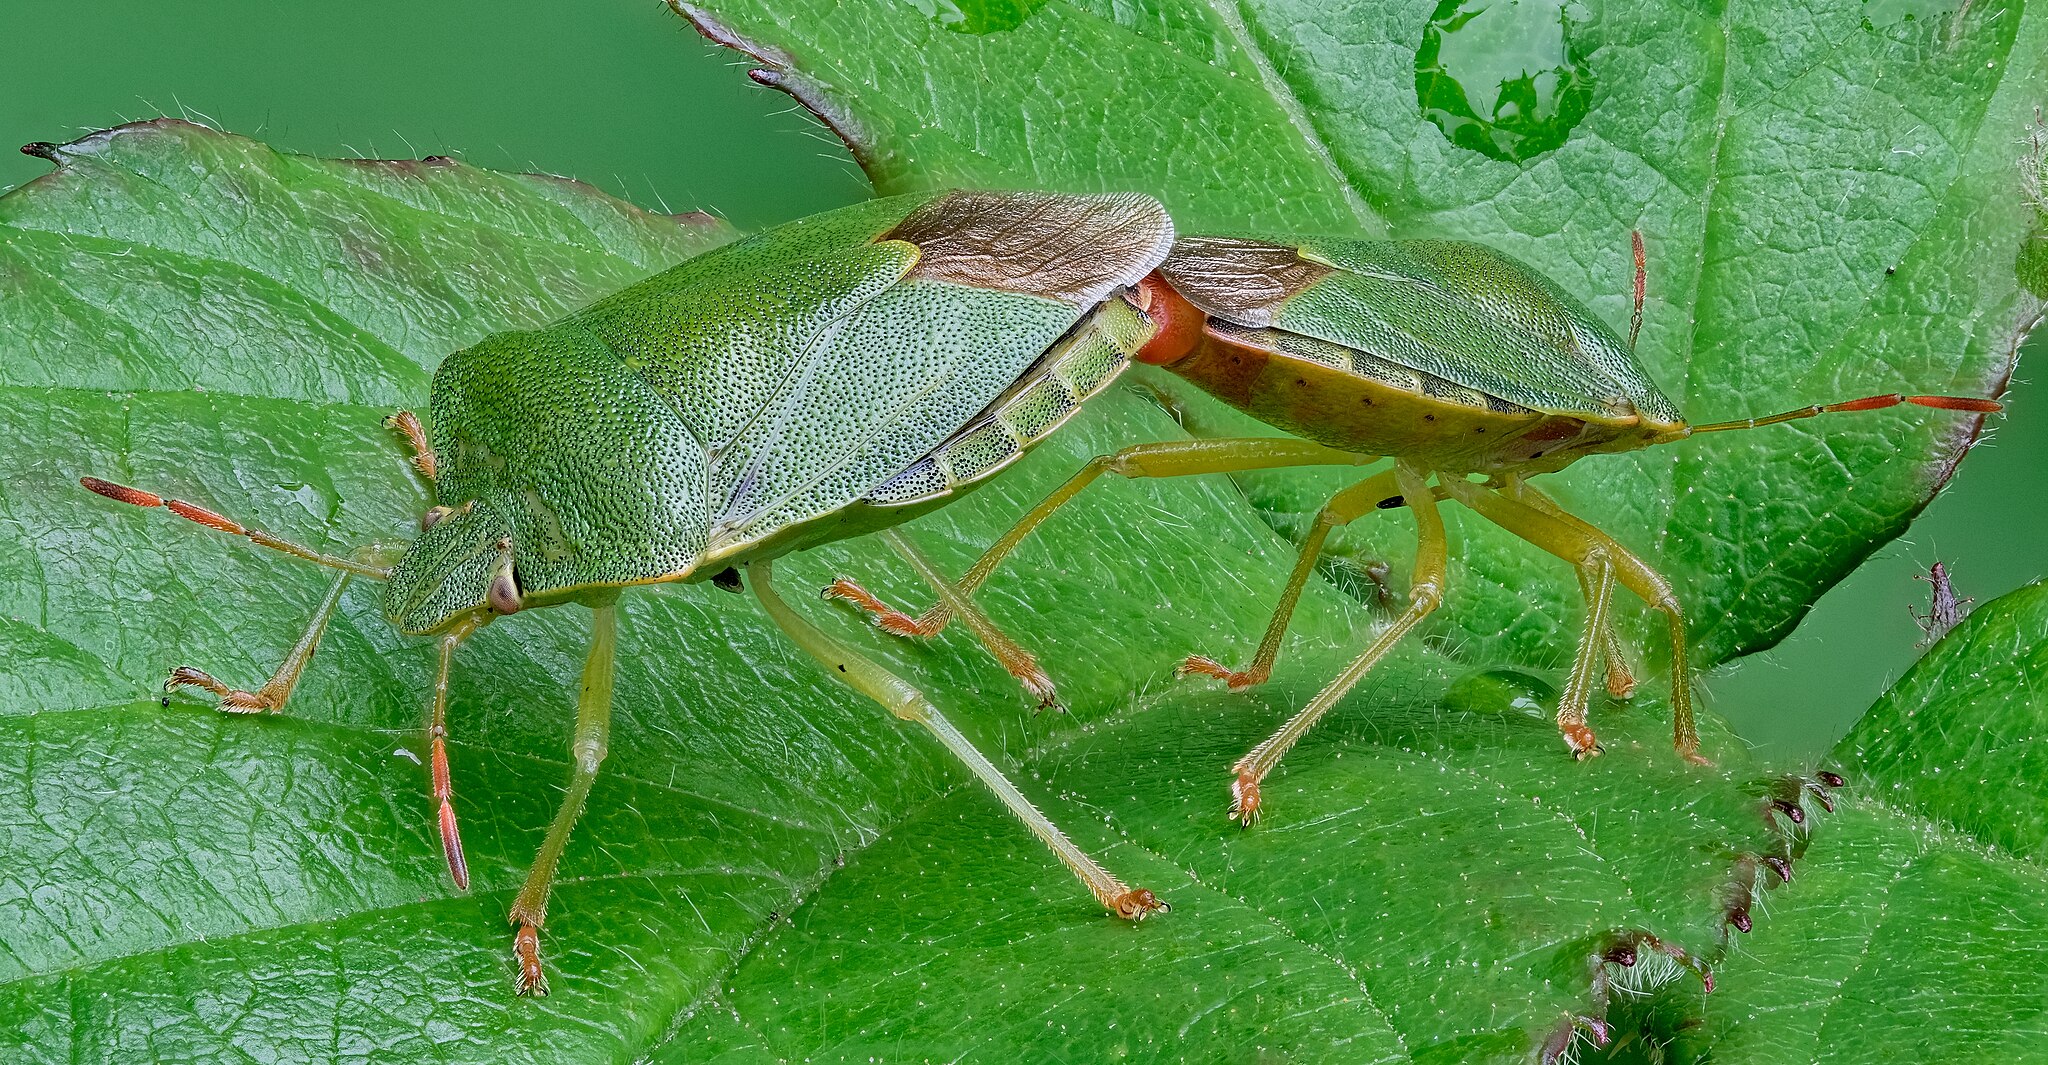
point(830, 377)
point(1463, 365)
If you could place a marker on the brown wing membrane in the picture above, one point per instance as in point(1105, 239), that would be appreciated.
point(1243, 281)
point(1077, 249)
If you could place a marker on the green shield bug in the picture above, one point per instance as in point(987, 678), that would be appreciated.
point(827, 378)
point(1464, 366)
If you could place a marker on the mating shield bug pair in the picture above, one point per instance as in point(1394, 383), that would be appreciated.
point(848, 372)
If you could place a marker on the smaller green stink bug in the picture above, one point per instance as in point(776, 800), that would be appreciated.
point(1466, 367)
point(827, 378)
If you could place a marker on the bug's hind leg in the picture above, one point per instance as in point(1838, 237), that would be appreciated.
point(907, 703)
point(1175, 458)
point(586, 752)
point(1343, 508)
point(1425, 593)
point(1577, 542)
point(1020, 663)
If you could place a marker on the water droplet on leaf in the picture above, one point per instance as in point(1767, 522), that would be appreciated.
point(1501, 691)
point(978, 16)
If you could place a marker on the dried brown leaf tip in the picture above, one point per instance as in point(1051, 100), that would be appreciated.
point(1944, 611)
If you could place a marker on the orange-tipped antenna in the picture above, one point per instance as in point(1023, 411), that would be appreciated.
point(1890, 399)
point(193, 512)
point(1635, 318)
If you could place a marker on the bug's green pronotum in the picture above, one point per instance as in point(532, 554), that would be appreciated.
point(827, 378)
point(1454, 360)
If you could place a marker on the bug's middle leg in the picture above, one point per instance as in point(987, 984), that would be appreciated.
point(586, 752)
point(907, 703)
point(1345, 507)
point(1425, 593)
point(1020, 663)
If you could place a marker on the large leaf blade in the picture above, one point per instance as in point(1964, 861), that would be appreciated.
point(1433, 882)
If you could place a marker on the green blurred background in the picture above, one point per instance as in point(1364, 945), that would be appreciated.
point(624, 95)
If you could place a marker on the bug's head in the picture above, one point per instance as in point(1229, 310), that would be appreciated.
point(460, 567)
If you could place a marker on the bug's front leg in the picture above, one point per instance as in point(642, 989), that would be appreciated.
point(586, 752)
point(1578, 542)
point(271, 697)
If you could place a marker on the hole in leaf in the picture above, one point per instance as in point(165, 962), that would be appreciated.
point(1500, 77)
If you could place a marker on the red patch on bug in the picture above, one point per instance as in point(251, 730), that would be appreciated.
point(1177, 324)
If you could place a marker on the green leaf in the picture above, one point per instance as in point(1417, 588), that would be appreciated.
point(1957, 739)
point(1933, 868)
point(1828, 189)
point(770, 867)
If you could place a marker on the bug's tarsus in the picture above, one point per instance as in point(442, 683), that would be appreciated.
point(728, 580)
point(41, 150)
point(885, 617)
point(407, 424)
point(1244, 799)
point(1233, 679)
point(212, 519)
point(532, 979)
point(232, 700)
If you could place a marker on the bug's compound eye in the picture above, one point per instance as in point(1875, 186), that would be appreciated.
point(503, 594)
point(433, 517)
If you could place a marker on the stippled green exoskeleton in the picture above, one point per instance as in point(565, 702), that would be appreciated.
point(827, 378)
point(1463, 365)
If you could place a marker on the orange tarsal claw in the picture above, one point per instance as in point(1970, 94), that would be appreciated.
point(1244, 800)
point(886, 617)
point(1203, 666)
point(1135, 904)
point(1581, 740)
